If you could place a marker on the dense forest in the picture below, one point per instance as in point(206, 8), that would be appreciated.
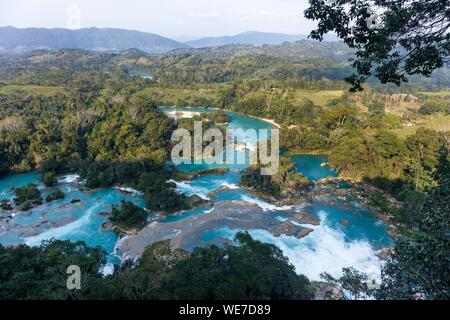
point(81, 111)
point(97, 114)
point(247, 270)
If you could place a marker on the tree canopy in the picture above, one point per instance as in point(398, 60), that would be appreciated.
point(247, 270)
point(392, 38)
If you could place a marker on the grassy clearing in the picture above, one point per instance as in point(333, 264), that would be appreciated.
point(319, 97)
point(442, 93)
point(32, 90)
point(439, 123)
point(171, 96)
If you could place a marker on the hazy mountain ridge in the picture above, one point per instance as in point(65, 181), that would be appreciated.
point(251, 38)
point(29, 39)
point(293, 51)
point(15, 40)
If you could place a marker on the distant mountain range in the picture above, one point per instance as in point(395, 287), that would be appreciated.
point(24, 40)
point(252, 38)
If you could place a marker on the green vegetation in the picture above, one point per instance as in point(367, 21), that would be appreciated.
point(5, 205)
point(40, 272)
point(417, 268)
point(128, 216)
point(220, 117)
point(419, 264)
point(32, 90)
point(49, 179)
point(27, 197)
point(249, 270)
point(161, 195)
point(410, 38)
point(55, 194)
point(211, 172)
point(74, 111)
point(286, 182)
point(107, 126)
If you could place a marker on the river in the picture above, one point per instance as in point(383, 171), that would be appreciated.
point(330, 247)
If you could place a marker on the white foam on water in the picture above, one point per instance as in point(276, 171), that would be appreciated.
point(264, 205)
point(299, 208)
point(129, 190)
point(246, 147)
point(107, 269)
point(308, 225)
point(63, 231)
point(325, 250)
point(116, 248)
point(181, 114)
point(379, 223)
point(280, 218)
point(230, 186)
point(188, 189)
point(209, 211)
point(71, 178)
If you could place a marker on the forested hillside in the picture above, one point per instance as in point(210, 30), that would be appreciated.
point(23, 40)
point(97, 114)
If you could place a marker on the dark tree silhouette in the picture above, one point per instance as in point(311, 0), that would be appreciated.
point(392, 38)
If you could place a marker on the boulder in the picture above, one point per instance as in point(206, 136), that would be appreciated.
point(327, 291)
point(290, 229)
point(305, 218)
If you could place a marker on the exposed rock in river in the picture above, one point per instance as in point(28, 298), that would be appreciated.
point(304, 218)
point(189, 232)
point(327, 291)
point(384, 254)
point(290, 229)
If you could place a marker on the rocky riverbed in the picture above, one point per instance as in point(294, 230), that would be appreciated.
point(234, 215)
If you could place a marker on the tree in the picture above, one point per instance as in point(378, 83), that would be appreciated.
point(424, 147)
point(409, 37)
point(352, 281)
point(40, 272)
point(49, 179)
point(55, 194)
point(30, 192)
point(128, 215)
point(285, 182)
point(147, 279)
point(248, 270)
point(5, 205)
point(418, 268)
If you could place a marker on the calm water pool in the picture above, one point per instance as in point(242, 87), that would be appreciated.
point(311, 166)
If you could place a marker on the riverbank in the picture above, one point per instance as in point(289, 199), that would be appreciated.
point(191, 114)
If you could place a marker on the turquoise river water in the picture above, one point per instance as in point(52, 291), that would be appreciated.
point(330, 247)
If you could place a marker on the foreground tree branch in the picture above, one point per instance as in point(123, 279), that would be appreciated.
point(392, 39)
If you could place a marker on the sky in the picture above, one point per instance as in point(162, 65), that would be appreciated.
point(172, 18)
